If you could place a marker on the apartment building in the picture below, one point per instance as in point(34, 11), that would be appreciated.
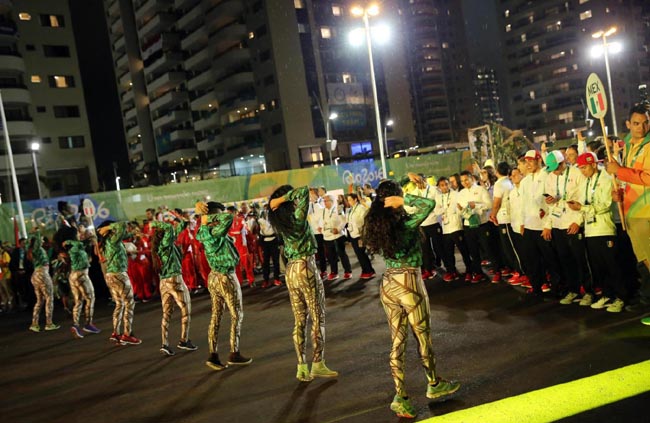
point(547, 48)
point(44, 102)
point(487, 102)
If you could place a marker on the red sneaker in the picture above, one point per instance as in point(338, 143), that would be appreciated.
point(506, 271)
point(468, 277)
point(546, 288)
point(130, 340)
point(514, 278)
point(347, 275)
point(367, 276)
point(425, 274)
point(525, 283)
point(323, 275)
point(265, 284)
point(450, 276)
point(332, 276)
point(485, 262)
point(496, 278)
point(477, 277)
point(277, 282)
point(115, 337)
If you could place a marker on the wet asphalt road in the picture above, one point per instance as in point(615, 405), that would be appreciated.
point(493, 338)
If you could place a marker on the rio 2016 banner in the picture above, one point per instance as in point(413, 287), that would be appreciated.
point(131, 203)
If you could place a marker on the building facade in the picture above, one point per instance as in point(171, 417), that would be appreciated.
point(547, 49)
point(487, 102)
point(43, 100)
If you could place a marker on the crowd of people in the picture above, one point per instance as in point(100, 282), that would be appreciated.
point(551, 223)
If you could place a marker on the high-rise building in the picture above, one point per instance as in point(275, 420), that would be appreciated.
point(547, 48)
point(43, 100)
point(233, 87)
point(487, 103)
point(440, 75)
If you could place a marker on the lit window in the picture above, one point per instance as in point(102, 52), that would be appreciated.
point(508, 28)
point(24, 16)
point(262, 106)
point(347, 78)
point(566, 117)
point(544, 108)
point(60, 82)
point(251, 35)
point(532, 95)
point(531, 19)
point(559, 70)
point(336, 10)
point(536, 48)
point(36, 79)
point(325, 32)
point(585, 15)
point(583, 1)
point(445, 45)
point(298, 4)
point(507, 13)
point(575, 66)
point(557, 55)
point(523, 38)
point(54, 21)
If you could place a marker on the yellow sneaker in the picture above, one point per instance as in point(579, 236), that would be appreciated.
point(303, 373)
point(320, 370)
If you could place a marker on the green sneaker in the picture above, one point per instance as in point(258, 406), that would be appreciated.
point(646, 321)
point(320, 370)
point(52, 326)
point(403, 407)
point(303, 373)
point(442, 388)
point(35, 328)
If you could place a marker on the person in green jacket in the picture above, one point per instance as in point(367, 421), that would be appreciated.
point(118, 282)
point(167, 263)
point(42, 282)
point(289, 209)
point(224, 288)
point(80, 283)
point(389, 230)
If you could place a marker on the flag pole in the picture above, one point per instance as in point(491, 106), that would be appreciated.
point(19, 204)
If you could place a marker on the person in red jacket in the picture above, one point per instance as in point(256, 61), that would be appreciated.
point(184, 242)
point(238, 233)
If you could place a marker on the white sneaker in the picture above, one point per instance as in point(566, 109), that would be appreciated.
point(586, 300)
point(602, 303)
point(616, 306)
point(569, 298)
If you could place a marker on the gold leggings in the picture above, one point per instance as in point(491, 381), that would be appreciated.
point(406, 303)
point(225, 291)
point(44, 294)
point(307, 296)
point(172, 290)
point(120, 286)
point(82, 291)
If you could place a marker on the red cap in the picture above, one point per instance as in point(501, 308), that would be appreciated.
point(586, 158)
point(532, 155)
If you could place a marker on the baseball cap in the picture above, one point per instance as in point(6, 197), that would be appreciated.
point(586, 158)
point(532, 155)
point(553, 160)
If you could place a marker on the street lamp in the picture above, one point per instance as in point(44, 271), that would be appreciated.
point(605, 49)
point(35, 147)
point(328, 134)
point(390, 123)
point(364, 13)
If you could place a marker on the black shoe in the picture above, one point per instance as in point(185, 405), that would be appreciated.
point(214, 363)
point(187, 345)
point(637, 306)
point(166, 350)
point(236, 359)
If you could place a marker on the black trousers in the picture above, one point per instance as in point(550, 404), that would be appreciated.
point(335, 251)
point(482, 238)
point(321, 255)
point(519, 251)
point(362, 256)
point(509, 256)
point(627, 261)
point(449, 258)
point(604, 266)
point(572, 253)
point(271, 252)
point(432, 246)
point(539, 258)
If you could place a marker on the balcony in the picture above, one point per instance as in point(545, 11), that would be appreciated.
point(185, 4)
point(130, 113)
point(242, 126)
point(21, 128)
point(204, 102)
point(190, 20)
point(135, 148)
point(233, 84)
point(128, 97)
point(8, 32)
point(122, 63)
point(182, 152)
point(232, 58)
point(133, 131)
point(125, 79)
point(195, 40)
point(199, 59)
point(171, 118)
point(224, 12)
point(117, 27)
point(208, 122)
point(16, 96)
point(12, 62)
point(202, 80)
point(148, 8)
point(165, 82)
point(208, 142)
point(114, 9)
point(168, 60)
point(158, 23)
point(181, 134)
point(120, 45)
point(227, 37)
point(169, 100)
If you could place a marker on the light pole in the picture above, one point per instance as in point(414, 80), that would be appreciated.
point(390, 123)
point(596, 51)
point(328, 134)
point(372, 10)
point(35, 147)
